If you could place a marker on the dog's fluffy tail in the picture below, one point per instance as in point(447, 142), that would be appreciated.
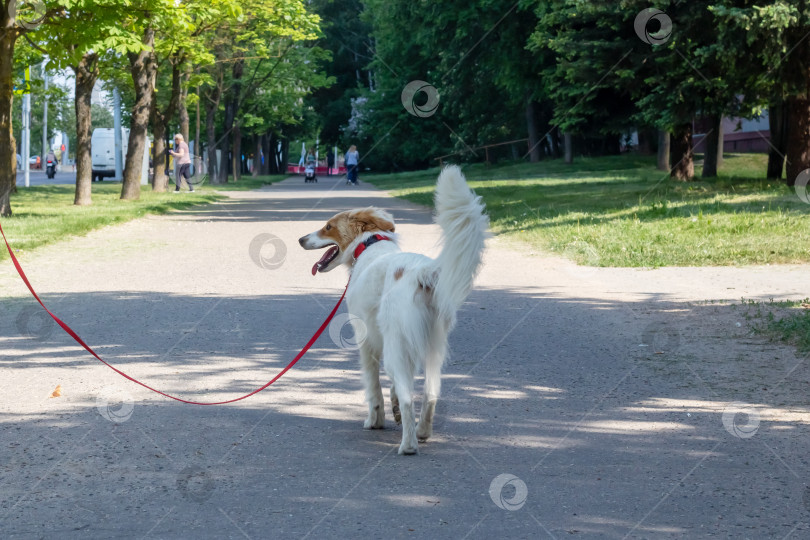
point(460, 213)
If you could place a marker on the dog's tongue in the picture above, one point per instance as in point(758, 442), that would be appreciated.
point(330, 253)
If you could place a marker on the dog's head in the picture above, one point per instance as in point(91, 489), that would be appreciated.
point(343, 232)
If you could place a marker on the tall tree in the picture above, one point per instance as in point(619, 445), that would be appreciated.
point(144, 71)
point(86, 74)
point(244, 45)
point(161, 114)
point(594, 50)
point(73, 40)
point(771, 35)
point(16, 19)
point(347, 36)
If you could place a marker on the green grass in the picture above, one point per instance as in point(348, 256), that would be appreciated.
point(621, 211)
point(786, 321)
point(46, 214)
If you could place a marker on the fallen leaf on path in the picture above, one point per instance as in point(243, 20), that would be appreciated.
point(57, 392)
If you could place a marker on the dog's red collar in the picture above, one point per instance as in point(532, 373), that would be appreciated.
point(373, 239)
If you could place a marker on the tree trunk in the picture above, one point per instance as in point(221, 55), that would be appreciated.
point(265, 143)
point(198, 146)
point(711, 146)
point(160, 125)
point(273, 154)
point(798, 137)
point(8, 146)
point(777, 120)
point(160, 159)
point(555, 142)
point(663, 150)
point(212, 98)
point(182, 110)
point(236, 161)
point(681, 146)
point(86, 75)
point(143, 70)
point(257, 155)
point(183, 119)
point(569, 149)
point(236, 96)
point(720, 142)
point(225, 142)
point(211, 137)
point(284, 156)
point(531, 128)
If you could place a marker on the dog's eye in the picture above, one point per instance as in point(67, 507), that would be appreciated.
point(328, 226)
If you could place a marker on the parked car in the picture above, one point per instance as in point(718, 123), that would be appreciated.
point(35, 162)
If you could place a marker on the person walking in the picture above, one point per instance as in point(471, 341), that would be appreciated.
point(352, 161)
point(182, 164)
point(330, 162)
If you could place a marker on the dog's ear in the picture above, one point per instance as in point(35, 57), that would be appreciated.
point(374, 219)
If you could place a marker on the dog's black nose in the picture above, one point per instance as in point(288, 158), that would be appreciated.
point(302, 240)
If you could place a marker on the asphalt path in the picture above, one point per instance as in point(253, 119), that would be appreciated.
point(576, 403)
point(37, 177)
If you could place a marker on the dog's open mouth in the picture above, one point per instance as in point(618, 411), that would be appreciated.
point(327, 258)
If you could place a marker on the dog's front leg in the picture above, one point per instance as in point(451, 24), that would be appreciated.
point(374, 396)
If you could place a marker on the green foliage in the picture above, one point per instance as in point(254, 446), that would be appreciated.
point(483, 84)
point(278, 101)
point(590, 43)
point(58, 97)
point(346, 35)
point(278, 66)
point(771, 37)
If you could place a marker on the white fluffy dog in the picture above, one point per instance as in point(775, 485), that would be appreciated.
point(406, 301)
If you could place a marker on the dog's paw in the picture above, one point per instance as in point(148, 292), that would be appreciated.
point(376, 417)
point(408, 449)
point(373, 423)
point(423, 431)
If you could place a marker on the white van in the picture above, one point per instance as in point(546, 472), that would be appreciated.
point(102, 149)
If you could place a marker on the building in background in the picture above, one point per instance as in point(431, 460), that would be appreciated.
point(739, 135)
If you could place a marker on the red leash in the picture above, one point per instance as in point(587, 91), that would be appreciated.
point(81, 342)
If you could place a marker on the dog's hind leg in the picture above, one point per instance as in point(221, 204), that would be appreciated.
point(401, 370)
point(395, 405)
point(433, 381)
point(374, 396)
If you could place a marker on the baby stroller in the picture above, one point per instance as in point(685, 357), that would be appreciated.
point(309, 173)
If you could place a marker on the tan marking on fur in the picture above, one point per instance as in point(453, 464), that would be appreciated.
point(371, 219)
point(345, 227)
point(398, 273)
point(340, 230)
